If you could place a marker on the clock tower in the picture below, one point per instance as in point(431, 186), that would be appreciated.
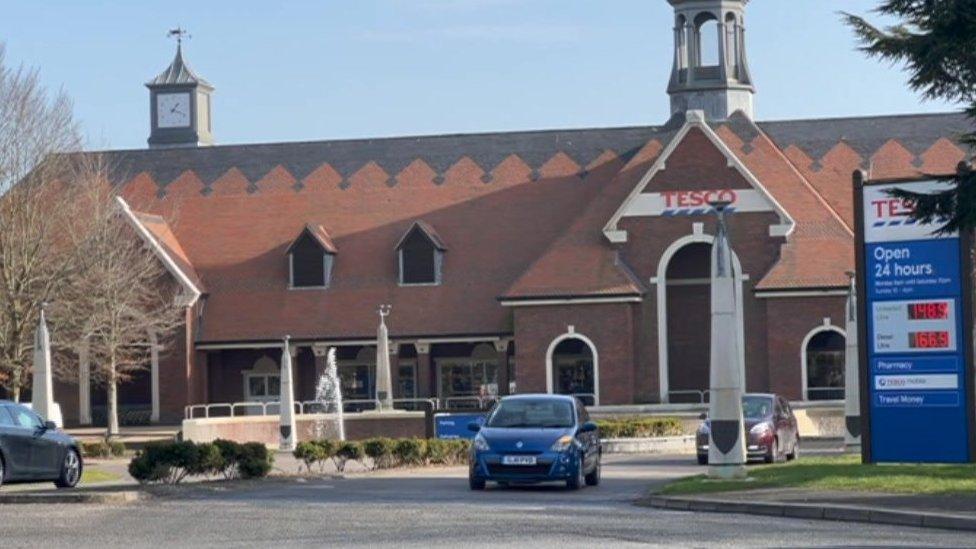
point(179, 105)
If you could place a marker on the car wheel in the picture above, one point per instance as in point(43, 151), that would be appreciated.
point(476, 483)
point(593, 478)
point(578, 479)
point(702, 459)
point(770, 456)
point(3, 471)
point(70, 470)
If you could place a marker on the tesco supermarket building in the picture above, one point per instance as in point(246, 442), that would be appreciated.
point(570, 261)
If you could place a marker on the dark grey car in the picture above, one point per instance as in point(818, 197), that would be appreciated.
point(32, 450)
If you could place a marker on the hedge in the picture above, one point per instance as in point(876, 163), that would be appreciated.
point(382, 453)
point(102, 449)
point(171, 462)
point(637, 427)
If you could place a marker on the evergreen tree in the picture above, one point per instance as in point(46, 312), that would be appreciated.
point(936, 39)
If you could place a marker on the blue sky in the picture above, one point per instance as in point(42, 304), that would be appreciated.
point(327, 69)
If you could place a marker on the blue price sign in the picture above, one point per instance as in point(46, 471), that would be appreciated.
point(917, 370)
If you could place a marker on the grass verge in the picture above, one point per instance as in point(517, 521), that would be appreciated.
point(94, 476)
point(840, 473)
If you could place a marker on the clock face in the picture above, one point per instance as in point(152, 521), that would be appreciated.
point(173, 110)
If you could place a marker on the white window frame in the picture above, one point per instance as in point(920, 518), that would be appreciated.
point(470, 362)
point(573, 334)
point(267, 397)
point(827, 327)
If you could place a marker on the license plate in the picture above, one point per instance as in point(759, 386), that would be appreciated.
point(518, 460)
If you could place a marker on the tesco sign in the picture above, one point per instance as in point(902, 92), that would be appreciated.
point(691, 199)
point(688, 203)
point(887, 219)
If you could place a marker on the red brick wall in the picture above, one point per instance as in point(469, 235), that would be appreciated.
point(790, 320)
point(609, 326)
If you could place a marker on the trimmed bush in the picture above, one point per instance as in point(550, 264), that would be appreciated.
point(439, 451)
point(171, 462)
point(255, 460)
point(347, 451)
point(410, 451)
point(116, 448)
point(380, 451)
point(309, 452)
point(637, 427)
point(97, 449)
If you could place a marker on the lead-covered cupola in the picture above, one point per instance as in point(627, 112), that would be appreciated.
point(710, 72)
point(179, 105)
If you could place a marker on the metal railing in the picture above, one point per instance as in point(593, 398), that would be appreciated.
point(473, 402)
point(696, 396)
point(270, 408)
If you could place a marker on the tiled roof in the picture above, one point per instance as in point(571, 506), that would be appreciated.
point(523, 213)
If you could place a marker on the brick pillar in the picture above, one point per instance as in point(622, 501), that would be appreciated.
point(501, 346)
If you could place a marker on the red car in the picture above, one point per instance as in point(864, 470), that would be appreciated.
point(771, 431)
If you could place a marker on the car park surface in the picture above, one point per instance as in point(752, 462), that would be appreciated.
point(435, 508)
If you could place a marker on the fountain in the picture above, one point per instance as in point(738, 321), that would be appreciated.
point(328, 393)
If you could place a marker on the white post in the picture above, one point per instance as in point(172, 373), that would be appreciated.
point(154, 376)
point(852, 386)
point(42, 393)
point(286, 411)
point(384, 382)
point(84, 384)
point(726, 444)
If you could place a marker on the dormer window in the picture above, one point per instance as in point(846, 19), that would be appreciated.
point(420, 256)
point(310, 259)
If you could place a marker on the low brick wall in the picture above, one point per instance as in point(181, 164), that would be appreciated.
point(265, 428)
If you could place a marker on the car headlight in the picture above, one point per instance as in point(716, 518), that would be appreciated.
point(760, 430)
point(563, 443)
point(480, 444)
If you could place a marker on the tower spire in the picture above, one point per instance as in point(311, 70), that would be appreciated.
point(710, 72)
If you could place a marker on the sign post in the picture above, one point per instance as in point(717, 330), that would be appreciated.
point(916, 375)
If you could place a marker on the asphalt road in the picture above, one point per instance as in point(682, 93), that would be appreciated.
point(434, 508)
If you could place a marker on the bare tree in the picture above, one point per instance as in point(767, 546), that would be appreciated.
point(120, 298)
point(34, 128)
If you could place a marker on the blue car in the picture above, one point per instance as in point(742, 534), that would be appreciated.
point(528, 439)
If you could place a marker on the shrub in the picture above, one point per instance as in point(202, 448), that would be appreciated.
point(637, 427)
point(171, 462)
point(309, 452)
point(410, 451)
point(116, 448)
point(346, 452)
point(230, 452)
point(254, 461)
point(97, 449)
point(439, 451)
point(380, 451)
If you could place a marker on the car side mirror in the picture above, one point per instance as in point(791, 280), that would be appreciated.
point(50, 426)
point(703, 416)
point(588, 427)
point(474, 426)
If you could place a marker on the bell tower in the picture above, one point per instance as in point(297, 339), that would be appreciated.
point(710, 70)
point(179, 104)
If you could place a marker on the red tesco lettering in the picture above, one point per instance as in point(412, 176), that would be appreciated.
point(692, 199)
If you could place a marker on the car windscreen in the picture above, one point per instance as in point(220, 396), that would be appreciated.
point(525, 413)
point(754, 407)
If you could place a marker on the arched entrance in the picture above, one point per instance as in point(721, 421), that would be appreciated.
point(823, 364)
point(688, 282)
point(684, 318)
point(572, 368)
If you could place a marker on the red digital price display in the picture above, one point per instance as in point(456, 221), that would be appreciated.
point(928, 310)
point(928, 340)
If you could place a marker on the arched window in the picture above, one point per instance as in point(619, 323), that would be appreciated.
point(574, 370)
point(262, 383)
point(706, 29)
point(823, 357)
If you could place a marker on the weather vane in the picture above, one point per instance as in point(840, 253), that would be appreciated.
point(179, 33)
